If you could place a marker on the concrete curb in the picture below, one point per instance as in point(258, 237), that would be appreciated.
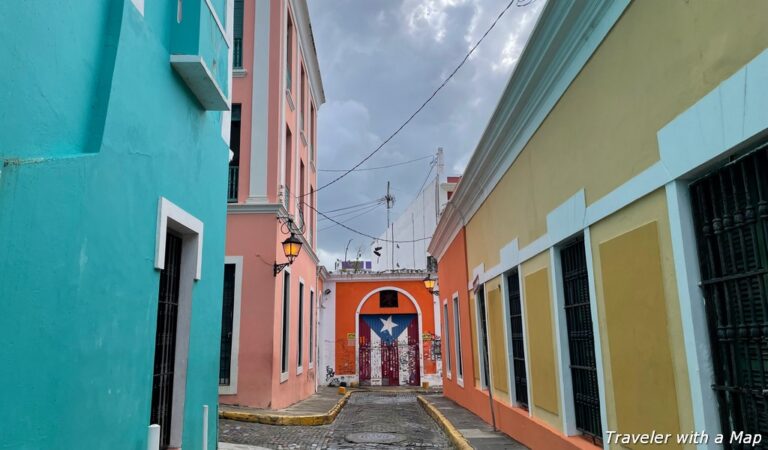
point(457, 439)
point(279, 419)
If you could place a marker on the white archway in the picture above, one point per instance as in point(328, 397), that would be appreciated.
point(357, 327)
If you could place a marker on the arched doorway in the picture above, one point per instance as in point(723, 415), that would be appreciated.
point(389, 341)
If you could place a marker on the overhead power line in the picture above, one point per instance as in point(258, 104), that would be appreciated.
point(423, 105)
point(368, 210)
point(379, 167)
point(368, 235)
point(354, 211)
point(369, 202)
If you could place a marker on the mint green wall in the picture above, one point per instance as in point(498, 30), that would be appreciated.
point(80, 179)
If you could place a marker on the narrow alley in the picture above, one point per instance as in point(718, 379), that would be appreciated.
point(369, 420)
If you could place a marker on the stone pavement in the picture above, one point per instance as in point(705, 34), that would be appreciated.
point(395, 415)
point(474, 429)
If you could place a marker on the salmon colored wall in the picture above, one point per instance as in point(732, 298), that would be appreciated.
point(530, 431)
point(349, 294)
point(254, 384)
point(242, 92)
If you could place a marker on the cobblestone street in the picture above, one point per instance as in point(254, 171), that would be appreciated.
point(398, 415)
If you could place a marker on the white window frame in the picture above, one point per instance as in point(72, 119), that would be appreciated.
point(508, 336)
point(447, 339)
point(457, 339)
point(231, 389)
point(300, 328)
point(312, 327)
point(285, 353)
point(561, 331)
point(478, 326)
point(171, 217)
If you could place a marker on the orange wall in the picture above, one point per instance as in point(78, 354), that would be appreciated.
point(349, 294)
point(531, 432)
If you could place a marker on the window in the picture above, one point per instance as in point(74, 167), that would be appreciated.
point(302, 91)
point(289, 55)
point(288, 163)
point(581, 341)
point(301, 190)
point(457, 338)
point(731, 223)
point(483, 338)
point(300, 349)
point(447, 339)
point(388, 299)
point(234, 145)
point(311, 327)
point(237, 51)
point(516, 334)
point(227, 319)
point(312, 133)
point(286, 322)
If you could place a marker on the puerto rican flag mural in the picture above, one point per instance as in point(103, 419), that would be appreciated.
point(389, 349)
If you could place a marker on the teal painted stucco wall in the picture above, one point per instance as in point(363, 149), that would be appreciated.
point(95, 126)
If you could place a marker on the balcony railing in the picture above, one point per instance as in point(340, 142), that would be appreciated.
point(234, 176)
point(237, 53)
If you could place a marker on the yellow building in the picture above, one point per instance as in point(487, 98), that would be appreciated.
point(607, 247)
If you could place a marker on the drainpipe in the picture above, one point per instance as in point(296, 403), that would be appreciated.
point(153, 437)
point(205, 427)
point(490, 380)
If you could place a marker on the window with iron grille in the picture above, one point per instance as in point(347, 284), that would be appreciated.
point(483, 336)
point(286, 322)
point(388, 299)
point(518, 346)
point(237, 50)
point(165, 339)
point(234, 145)
point(730, 209)
point(227, 318)
point(581, 341)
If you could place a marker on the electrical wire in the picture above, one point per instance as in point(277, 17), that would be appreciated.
point(367, 235)
point(346, 213)
point(369, 202)
point(353, 217)
point(424, 104)
point(380, 167)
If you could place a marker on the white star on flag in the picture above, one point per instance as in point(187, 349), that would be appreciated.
point(388, 325)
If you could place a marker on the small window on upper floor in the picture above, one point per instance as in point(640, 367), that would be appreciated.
point(237, 50)
point(289, 55)
point(388, 299)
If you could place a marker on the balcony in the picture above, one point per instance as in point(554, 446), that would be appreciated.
point(234, 176)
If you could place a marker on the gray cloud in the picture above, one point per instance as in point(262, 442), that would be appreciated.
point(380, 59)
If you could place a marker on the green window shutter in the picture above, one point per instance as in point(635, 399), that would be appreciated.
point(238, 19)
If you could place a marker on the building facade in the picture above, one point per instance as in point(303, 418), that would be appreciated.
point(602, 261)
point(112, 192)
point(378, 329)
point(268, 331)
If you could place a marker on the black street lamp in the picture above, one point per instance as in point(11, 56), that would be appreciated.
point(291, 248)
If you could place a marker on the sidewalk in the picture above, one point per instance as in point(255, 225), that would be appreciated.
point(319, 409)
point(465, 429)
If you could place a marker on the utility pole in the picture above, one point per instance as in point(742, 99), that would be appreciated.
point(390, 203)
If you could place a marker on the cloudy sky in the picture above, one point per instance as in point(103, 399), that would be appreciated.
point(380, 59)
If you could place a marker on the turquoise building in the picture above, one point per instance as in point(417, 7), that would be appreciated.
point(114, 130)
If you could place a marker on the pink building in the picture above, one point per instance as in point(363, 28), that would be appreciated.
point(269, 331)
